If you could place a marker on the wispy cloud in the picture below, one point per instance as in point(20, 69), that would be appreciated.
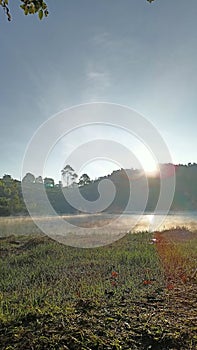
point(97, 82)
point(98, 78)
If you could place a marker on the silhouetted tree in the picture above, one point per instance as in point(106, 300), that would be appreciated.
point(84, 180)
point(49, 182)
point(29, 178)
point(39, 180)
point(11, 201)
point(7, 178)
point(68, 174)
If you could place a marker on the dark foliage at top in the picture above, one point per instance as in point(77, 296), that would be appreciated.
point(30, 7)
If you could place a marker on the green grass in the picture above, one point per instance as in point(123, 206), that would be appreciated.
point(113, 297)
point(39, 269)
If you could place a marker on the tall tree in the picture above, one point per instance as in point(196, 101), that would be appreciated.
point(11, 201)
point(68, 174)
point(39, 180)
point(29, 178)
point(84, 180)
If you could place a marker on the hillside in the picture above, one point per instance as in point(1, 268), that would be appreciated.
point(125, 181)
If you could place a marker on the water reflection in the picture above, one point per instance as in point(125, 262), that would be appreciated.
point(149, 222)
point(125, 221)
point(105, 224)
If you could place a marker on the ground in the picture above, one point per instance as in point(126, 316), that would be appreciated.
point(137, 293)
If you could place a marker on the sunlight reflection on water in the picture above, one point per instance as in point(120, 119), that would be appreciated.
point(103, 229)
point(108, 223)
point(147, 221)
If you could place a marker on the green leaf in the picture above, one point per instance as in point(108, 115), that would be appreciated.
point(40, 14)
point(44, 6)
point(26, 10)
point(32, 8)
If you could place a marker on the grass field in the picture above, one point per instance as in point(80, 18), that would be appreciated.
point(137, 293)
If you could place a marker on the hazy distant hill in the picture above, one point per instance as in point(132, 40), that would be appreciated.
point(125, 181)
point(185, 197)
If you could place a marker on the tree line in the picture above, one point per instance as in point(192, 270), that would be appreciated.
point(11, 198)
point(69, 178)
point(12, 203)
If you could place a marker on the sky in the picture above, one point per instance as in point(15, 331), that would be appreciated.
point(130, 53)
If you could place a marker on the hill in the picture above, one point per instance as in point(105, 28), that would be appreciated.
point(125, 182)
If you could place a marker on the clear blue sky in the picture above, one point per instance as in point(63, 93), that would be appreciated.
point(127, 52)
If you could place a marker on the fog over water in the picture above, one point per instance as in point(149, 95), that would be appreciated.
point(95, 230)
point(136, 222)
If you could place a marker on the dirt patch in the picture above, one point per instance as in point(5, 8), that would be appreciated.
point(176, 235)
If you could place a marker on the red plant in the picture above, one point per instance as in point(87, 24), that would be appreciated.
point(113, 283)
point(114, 274)
point(146, 282)
point(183, 278)
point(170, 286)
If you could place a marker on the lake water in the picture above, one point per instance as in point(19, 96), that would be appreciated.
point(95, 230)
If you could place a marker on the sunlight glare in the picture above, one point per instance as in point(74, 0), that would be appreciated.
point(148, 162)
point(150, 218)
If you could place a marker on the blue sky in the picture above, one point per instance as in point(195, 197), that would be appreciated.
point(126, 52)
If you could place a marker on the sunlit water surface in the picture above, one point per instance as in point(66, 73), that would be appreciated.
point(95, 230)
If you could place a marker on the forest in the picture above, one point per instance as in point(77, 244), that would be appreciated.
point(185, 196)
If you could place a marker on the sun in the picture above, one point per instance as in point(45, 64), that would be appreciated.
point(151, 168)
point(147, 161)
point(149, 164)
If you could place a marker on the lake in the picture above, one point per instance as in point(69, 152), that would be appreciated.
point(86, 230)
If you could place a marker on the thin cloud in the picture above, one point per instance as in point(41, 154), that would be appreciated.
point(97, 82)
